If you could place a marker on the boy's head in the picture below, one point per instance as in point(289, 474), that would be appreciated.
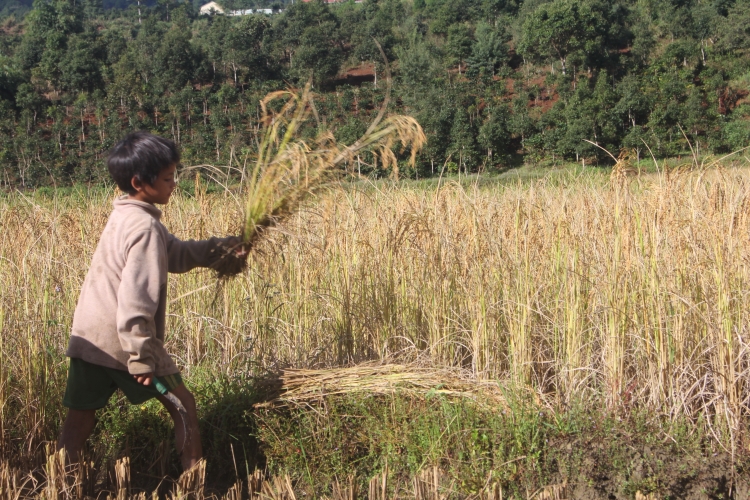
point(139, 158)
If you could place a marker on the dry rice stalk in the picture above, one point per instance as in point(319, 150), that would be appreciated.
point(83, 482)
point(255, 483)
point(191, 483)
point(492, 492)
point(378, 487)
point(11, 485)
point(553, 492)
point(296, 386)
point(8, 481)
point(427, 484)
point(235, 492)
point(61, 484)
point(122, 476)
point(62, 480)
point(278, 488)
point(289, 169)
point(344, 492)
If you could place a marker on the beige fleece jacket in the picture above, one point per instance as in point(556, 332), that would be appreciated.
point(119, 321)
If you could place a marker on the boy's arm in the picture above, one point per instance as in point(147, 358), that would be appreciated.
point(186, 255)
point(138, 299)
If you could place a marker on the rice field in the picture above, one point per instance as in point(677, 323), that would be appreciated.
point(628, 294)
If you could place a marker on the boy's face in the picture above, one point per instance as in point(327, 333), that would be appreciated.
point(158, 192)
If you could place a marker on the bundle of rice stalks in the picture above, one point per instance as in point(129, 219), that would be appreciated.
point(623, 169)
point(298, 386)
point(290, 168)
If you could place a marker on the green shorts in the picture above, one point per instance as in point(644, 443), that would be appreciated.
point(90, 386)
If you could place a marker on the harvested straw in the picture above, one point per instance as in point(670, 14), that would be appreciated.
point(289, 169)
point(298, 386)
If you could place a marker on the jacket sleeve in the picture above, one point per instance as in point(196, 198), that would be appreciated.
point(186, 255)
point(138, 299)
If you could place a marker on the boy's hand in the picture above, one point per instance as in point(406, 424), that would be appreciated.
point(144, 378)
point(240, 250)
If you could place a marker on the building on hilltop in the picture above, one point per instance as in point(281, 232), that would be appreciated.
point(247, 12)
point(212, 8)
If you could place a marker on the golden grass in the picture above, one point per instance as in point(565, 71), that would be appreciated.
point(573, 288)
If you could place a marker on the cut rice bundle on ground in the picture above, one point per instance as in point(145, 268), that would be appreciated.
point(299, 386)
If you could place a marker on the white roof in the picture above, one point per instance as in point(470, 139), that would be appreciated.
point(211, 7)
point(247, 12)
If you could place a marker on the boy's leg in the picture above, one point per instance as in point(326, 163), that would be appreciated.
point(187, 434)
point(88, 388)
point(76, 429)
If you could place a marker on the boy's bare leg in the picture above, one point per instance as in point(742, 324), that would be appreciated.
point(76, 430)
point(186, 432)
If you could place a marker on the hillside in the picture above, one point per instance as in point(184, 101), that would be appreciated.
point(495, 83)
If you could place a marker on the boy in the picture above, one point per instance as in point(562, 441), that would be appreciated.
point(117, 337)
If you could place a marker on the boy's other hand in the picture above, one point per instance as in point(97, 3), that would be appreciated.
point(144, 378)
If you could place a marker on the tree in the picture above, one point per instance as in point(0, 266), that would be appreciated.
point(92, 9)
point(492, 9)
point(308, 37)
point(706, 24)
point(243, 46)
point(433, 106)
point(80, 67)
point(634, 104)
point(142, 51)
point(736, 131)
point(175, 61)
point(644, 39)
point(376, 20)
point(494, 135)
point(10, 79)
point(48, 28)
point(735, 32)
point(126, 81)
point(458, 44)
point(607, 125)
point(489, 51)
point(74, 78)
point(446, 13)
point(369, 26)
point(565, 28)
point(521, 124)
point(589, 115)
point(463, 134)
point(114, 44)
point(215, 41)
point(417, 60)
point(316, 58)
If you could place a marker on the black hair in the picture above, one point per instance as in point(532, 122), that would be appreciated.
point(141, 155)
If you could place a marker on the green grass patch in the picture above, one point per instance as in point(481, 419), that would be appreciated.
point(522, 447)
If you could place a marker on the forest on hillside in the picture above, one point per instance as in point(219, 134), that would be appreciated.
point(493, 82)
